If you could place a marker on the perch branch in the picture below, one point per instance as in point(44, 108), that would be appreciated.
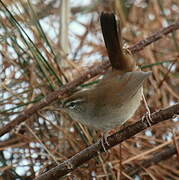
point(120, 136)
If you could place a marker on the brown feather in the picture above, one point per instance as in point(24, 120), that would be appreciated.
point(112, 38)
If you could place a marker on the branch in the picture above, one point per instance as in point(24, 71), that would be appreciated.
point(84, 77)
point(92, 151)
point(154, 37)
point(164, 154)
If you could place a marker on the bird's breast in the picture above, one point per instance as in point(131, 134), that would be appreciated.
point(109, 117)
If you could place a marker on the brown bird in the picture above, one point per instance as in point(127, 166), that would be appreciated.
point(117, 96)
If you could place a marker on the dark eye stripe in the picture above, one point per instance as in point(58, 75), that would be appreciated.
point(73, 103)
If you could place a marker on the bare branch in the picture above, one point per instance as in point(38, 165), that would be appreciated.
point(154, 37)
point(164, 154)
point(92, 151)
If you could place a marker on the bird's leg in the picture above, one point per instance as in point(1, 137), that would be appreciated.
point(104, 140)
point(148, 114)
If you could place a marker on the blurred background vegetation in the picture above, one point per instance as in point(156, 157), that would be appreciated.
point(46, 43)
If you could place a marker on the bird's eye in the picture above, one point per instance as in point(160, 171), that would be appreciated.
point(72, 105)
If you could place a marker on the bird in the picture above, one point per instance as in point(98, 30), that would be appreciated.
point(117, 96)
